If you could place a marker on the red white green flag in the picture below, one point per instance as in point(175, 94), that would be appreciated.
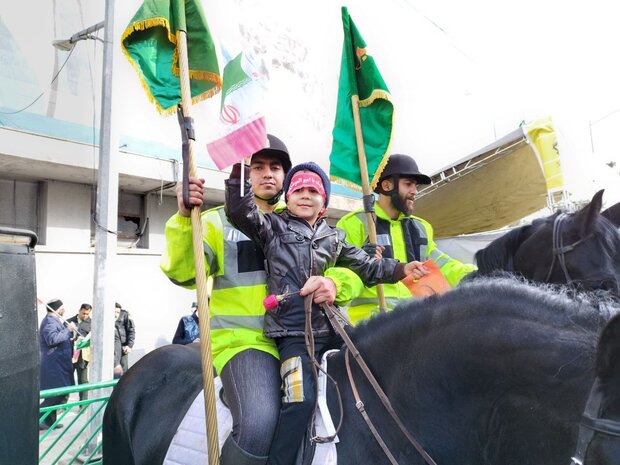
point(241, 126)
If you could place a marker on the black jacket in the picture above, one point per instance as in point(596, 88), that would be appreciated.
point(295, 251)
point(83, 326)
point(126, 329)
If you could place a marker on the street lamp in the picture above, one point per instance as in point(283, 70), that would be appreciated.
point(67, 44)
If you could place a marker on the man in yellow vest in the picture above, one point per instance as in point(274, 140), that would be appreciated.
point(245, 359)
point(400, 235)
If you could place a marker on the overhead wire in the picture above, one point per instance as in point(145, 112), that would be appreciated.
point(42, 93)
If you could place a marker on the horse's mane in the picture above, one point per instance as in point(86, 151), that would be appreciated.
point(486, 299)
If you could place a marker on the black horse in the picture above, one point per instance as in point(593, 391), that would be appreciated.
point(493, 372)
point(582, 249)
point(604, 420)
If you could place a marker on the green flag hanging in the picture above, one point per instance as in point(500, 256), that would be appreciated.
point(150, 44)
point(359, 76)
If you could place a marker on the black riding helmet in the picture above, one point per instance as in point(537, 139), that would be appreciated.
point(400, 166)
point(277, 149)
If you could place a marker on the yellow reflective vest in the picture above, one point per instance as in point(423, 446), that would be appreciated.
point(406, 238)
point(236, 265)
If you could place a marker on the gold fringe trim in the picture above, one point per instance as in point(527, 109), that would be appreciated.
point(374, 96)
point(172, 38)
point(346, 183)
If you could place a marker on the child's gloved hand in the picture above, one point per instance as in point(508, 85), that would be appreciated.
point(236, 171)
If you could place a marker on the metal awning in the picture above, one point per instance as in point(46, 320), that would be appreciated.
point(495, 186)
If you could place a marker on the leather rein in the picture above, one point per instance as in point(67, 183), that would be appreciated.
point(338, 321)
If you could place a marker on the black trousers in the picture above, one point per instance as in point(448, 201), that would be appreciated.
point(81, 370)
point(299, 394)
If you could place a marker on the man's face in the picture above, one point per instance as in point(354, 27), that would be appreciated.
point(61, 310)
point(407, 190)
point(117, 312)
point(83, 314)
point(266, 175)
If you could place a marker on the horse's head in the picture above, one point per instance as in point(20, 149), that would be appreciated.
point(599, 434)
point(582, 249)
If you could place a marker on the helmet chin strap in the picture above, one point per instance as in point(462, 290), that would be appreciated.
point(273, 200)
point(394, 195)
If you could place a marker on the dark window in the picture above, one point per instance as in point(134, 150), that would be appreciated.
point(20, 205)
point(132, 224)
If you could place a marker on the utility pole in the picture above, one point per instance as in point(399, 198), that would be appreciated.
point(102, 340)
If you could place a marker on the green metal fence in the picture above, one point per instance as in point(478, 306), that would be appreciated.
point(79, 440)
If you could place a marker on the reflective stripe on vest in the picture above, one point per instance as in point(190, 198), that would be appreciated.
point(414, 235)
point(243, 259)
point(232, 322)
point(436, 254)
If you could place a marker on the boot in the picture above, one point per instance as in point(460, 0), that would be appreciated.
point(232, 454)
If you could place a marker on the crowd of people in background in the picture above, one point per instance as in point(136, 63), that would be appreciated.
point(64, 347)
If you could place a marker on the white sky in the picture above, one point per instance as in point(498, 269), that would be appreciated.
point(461, 74)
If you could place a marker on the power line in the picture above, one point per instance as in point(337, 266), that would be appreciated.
point(42, 93)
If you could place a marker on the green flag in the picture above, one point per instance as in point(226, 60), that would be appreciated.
point(150, 44)
point(359, 76)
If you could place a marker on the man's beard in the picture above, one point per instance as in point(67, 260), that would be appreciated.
point(406, 204)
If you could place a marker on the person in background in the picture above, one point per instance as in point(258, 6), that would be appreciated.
point(56, 349)
point(400, 235)
point(118, 352)
point(188, 330)
point(126, 333)
point(80, 364)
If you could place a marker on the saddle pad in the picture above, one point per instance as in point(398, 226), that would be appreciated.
point(189, 445)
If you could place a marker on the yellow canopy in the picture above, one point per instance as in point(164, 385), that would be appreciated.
point(496, 185)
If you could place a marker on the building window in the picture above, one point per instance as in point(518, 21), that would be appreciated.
point(20, 205)
point(132, 223)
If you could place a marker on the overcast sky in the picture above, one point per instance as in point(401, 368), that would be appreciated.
point(461, 74)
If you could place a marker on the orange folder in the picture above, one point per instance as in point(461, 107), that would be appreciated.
point(432, 283)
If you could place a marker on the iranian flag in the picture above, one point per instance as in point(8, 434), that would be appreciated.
point(242, 129)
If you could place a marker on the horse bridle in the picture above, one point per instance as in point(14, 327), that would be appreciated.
point(591, 424)
point(559, 250)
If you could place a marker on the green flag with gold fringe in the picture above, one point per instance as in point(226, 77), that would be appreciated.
point(150, 44)
point(359, 76)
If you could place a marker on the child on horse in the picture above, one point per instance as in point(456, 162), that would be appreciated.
point(298, 243)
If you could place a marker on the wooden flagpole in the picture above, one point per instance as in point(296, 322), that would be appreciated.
point(201, 277)
point(361, 155)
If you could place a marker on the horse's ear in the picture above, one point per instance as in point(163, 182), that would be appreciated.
point(613, 214)
point(587, 216)
point(608, 354)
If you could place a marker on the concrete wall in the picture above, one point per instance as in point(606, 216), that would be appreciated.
point(65, 266)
